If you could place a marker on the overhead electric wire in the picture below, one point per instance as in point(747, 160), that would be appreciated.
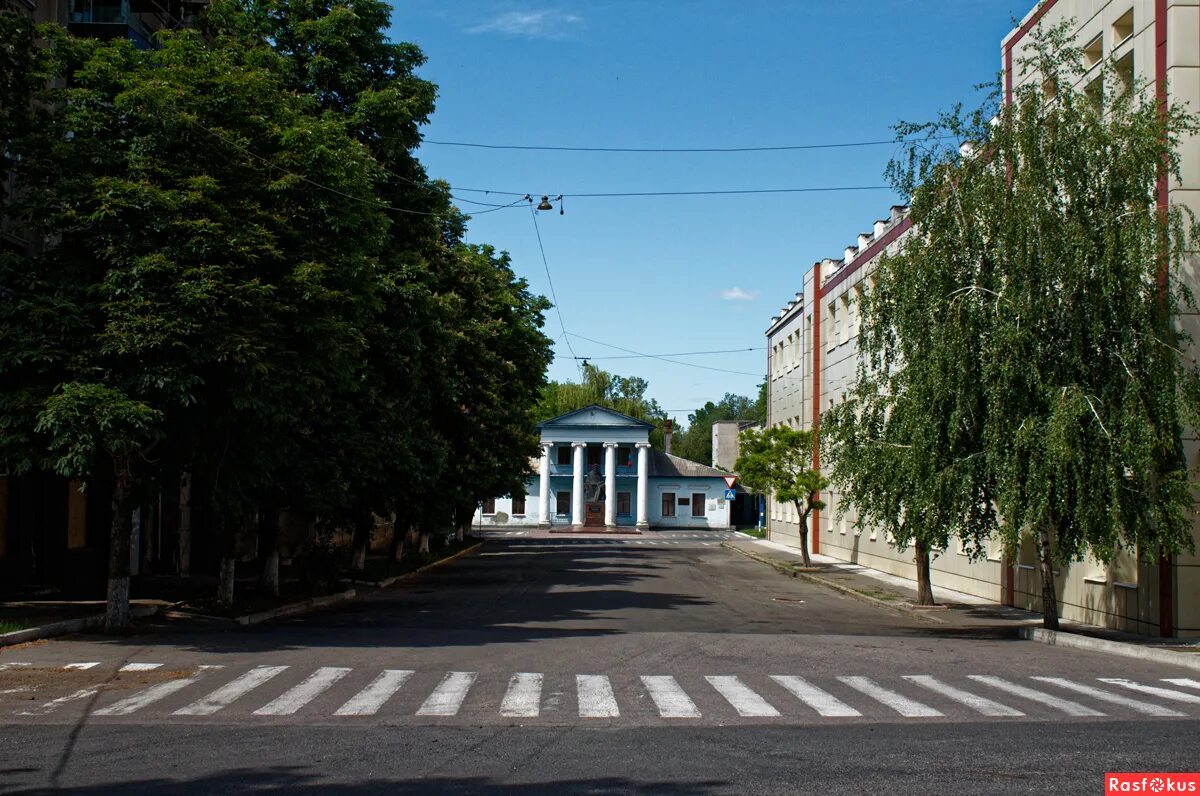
point(681, 354)
point(666, 150)
point(611, 194)
point(664, 359)
point(566, 336)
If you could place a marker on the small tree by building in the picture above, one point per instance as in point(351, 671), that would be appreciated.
point(778, 461)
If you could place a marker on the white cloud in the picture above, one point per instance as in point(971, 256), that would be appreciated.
point(546, 24)
point(737, 294)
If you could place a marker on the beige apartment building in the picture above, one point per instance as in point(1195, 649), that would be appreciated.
point(1154, 44)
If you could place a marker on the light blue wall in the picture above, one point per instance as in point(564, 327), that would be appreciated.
point(716, 513)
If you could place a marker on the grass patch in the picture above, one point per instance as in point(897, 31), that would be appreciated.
point(378, 569)
point(755, 531)
point(13, 625)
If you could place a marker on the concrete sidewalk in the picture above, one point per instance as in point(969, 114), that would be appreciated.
point(958, 609)
point(886, 591)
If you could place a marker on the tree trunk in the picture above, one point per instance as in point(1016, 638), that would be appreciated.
point(396, 551)
point(228, 571)
point(424, 545)
point(1049, 595)
point(116, 611)
point(804, 533)
point(362, 542)
point(924, 583)
point(225, 581)
point(462, 522)
point(183, 548)
point(268, 550)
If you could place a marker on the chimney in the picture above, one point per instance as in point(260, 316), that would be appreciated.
point(668, 425)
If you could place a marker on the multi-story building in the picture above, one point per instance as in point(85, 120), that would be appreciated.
point(788, 372)
point(1153, 45)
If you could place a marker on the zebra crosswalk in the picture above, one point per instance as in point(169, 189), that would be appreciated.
point(337, 693)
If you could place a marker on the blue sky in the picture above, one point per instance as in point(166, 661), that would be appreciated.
point(679, 274)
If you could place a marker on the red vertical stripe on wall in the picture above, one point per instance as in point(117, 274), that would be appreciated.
point(815, 545)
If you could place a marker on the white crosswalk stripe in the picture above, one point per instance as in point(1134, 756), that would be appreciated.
point(139, 667)
point(1153, 690)
point(744, 700)
point(79, 667)
point(154, 693)
point(975, 702)
point(1183, 681)
point(1148, 708)
point(909, 708)
point(297, 697)
point(224, 696)
point(671, 700)
point(368, 701)
point(448, 697)
point(54, 704)
point(825, 703)
point(529, 695)
point(596, 698)
point(524, 696)
point(1065, 705)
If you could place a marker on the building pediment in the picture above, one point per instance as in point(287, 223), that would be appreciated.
point(594, 416)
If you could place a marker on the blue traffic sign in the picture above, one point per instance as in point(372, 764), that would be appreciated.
point(730, 494)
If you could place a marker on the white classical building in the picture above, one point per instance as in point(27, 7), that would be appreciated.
point(597, 470)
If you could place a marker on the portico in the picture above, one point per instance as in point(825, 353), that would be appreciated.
point(597, 471)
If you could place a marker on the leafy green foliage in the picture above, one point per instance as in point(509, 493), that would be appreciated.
point(626, 395)
point(695, 443)
point(778, 461)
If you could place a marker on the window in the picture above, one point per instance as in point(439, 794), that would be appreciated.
point(564, 455)
point(1095, 93)
point(624, 457)
point(835, 326)
point(489, 506)
point(1122, 29)
point(563, 501)
point(1124, 72)
point(1093, 52)
point(593, 456)
point(518, 505)
point(697, 504)
point(668, 504)
point(848, 309)
point(624, 504)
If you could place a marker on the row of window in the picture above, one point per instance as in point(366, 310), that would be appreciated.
point(595, 456)
point(624, 504)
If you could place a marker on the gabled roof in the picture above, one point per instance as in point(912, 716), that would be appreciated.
point(664, 465)
point(595, 415)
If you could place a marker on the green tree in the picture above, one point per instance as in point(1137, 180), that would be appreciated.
point(1047, 278)
point(624, 394)
point(778, 461)
point(696, 442)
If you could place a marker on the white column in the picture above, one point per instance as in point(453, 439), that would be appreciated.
point(544, 493)
point(577, 484)
point(610, 484)
point(643, 486)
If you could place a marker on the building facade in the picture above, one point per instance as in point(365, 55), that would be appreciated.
point(1153, 44)
point(597, 470)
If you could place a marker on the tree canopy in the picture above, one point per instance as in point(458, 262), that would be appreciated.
point(249, 277)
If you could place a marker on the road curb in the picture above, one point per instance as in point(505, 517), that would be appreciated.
point(292, 609)
point(386, 582)
point(69, 626)
point(1059, 638)
point(787, 569)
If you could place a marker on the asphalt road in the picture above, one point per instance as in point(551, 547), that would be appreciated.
point(574, 666)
